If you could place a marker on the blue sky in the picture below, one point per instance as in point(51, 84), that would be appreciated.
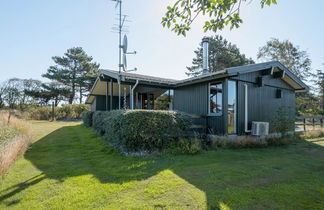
point(33, 31)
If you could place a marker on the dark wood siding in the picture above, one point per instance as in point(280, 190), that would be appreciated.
point(191, 99)
point(263, 104)
point(100, 103)
point(194, 100)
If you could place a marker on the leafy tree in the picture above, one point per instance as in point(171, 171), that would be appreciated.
point(307, 104)
point(220, 13)
point(299, 63)
point(2, 89)
point(73, 70)
point(288, 54)
point(222, 54)
point(11, 92)
point(319, 82)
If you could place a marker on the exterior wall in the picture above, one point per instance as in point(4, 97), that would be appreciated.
point(99, 104)
point(263, 105)
point(262, 102)
point(194, 100)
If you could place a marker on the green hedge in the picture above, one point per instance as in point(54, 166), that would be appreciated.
point(87, 118)
point(99, 118)
point(144, 130)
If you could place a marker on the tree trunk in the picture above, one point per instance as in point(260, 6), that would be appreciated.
point(71, 97)
point(80, 95)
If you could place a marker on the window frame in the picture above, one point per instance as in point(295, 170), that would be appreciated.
point(215, 83)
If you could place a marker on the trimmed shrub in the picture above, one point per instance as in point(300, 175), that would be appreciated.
point(144, 130)
point(98, 121)
point(87, 118)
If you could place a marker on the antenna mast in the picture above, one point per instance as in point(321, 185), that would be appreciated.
point(122, 63)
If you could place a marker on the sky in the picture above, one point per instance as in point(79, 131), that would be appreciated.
point(33, 31)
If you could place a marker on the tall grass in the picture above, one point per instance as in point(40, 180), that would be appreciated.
point(15, 138)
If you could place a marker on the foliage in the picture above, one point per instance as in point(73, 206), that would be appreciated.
point(72, 111)
point(290, 55)
point(163, 102)
point(282, 121)
point(222, 54)
point(74, 70)
point(67, 111)
point(75, 169)
point(49, 91)
point(144, 130)
point(308, 104)
point(87, 118)
point(13, 92)
point(189, 146)
point(250, 141)
point(99, 120)
point(319, 82)
point(182, 14)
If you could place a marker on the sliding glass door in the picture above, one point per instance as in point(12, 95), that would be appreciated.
point(231, 107)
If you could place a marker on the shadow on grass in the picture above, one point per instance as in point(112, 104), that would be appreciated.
point(225, 176)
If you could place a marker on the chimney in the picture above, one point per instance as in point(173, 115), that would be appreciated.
point(205, 44)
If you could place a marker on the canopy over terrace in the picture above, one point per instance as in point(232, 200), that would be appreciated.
point(114, 91)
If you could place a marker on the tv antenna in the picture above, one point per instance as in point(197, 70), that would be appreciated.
point(123, 44)
point(122, 65)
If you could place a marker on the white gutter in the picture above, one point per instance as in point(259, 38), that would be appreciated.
point(246, 109)
point(132, 94)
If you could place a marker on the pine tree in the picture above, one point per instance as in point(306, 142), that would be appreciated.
point(75, 70)
point(222, 54)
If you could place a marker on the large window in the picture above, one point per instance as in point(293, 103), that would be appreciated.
point(215, 98)
point(231, 107)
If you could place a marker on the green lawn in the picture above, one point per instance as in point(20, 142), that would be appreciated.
point(69, 167)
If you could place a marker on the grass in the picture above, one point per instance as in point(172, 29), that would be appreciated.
point(70, 167)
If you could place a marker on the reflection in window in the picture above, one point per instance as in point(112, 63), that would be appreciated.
point(215, 98)
point(164, 101)
point(231, 107)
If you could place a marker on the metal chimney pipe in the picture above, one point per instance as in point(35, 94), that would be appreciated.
point(205, 45)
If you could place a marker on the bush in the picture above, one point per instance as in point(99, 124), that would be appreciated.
point(67, 111)
point(145, 130)
point(87, 118)
point(190, 146)
point(72, 111)
point(39, 113)
point(98, 121)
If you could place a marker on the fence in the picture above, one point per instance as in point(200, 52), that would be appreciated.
point(309, 122)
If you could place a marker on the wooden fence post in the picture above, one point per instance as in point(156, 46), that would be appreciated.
point(304, 124)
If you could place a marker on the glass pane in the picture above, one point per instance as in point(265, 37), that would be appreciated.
point(231, 119)
point(215, 98)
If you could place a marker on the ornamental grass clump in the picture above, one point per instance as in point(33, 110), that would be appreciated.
point(15, 138)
